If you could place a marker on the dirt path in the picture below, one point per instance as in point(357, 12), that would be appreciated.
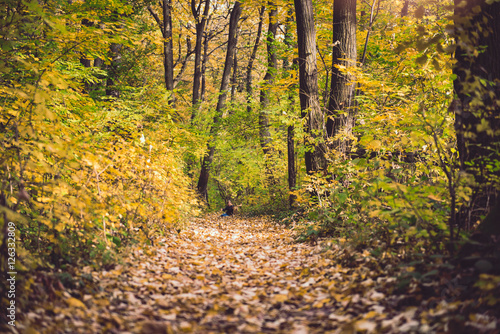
point(232, 276)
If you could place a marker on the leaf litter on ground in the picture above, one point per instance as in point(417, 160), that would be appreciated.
point(234, 275)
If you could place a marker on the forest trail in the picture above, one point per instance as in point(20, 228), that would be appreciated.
point(231, 276)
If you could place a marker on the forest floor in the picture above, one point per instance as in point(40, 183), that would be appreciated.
point(234, 275)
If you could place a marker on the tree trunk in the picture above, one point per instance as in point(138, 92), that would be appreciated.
point(476, 104)
point(272, 64)
point(221, 103)
point(201, 20)
point(253, 55)
point(114, 70)
point(404, 10)
point(234, 78)
point(308, 86)
point(290, 138)
point(168, 55)
point(204, 67)
point(189, 51)
point(342, 88)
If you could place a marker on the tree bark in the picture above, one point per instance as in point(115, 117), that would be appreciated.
point(113, 70)
point(206, 38)
point(476, 104)
point(251, 60)
point(234, 78)
point(221, 103)
point(308, 86)
point(168, 54)
point(272, 64)
point(201, 19)
point(342, 88)
point(290, 138)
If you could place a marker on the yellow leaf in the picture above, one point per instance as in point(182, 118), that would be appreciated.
point(73, 302)
point(280, 298)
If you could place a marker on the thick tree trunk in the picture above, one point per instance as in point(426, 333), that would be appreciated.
point(476, 107)
point(308, 86)
point(251, 60)
point(342, 88)
point(221, 103)
point(404, 10)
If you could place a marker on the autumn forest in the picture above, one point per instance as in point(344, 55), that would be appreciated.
point(352, 145)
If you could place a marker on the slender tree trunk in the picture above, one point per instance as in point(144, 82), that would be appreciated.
point(221, 103)
point(253, 55)
point(234, 79)
point(308, 86)
point(114, 70)
point(204, 67)
point(201, 19)
point(373, 14)
point(272, 64)
point(476, 104)
point(86, 62)
point(168, 55)
point(269, 77)
point(189, 51)
point(342, 88)
point(290, 138)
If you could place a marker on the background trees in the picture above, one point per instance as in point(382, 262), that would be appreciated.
point(96, 155)
point(476, 106)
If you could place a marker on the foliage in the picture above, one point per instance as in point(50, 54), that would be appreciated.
point(82, 175)
point(402, 175)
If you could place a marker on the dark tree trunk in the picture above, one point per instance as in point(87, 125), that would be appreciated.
point(221, 103)
point(342, 88)
point(373, 14)
point(234, 79)
point(290, 138)
point(204, 67)
point(201, 19)
point(308, 86)
point(85, 61)
point(114, 70)
point(253, 55)
point(476, 106)
point(168, 51)
point(404, 10)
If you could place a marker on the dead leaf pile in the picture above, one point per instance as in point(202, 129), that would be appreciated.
point(249, 276)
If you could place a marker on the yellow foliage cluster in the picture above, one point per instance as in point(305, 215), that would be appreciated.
point(79, 176)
